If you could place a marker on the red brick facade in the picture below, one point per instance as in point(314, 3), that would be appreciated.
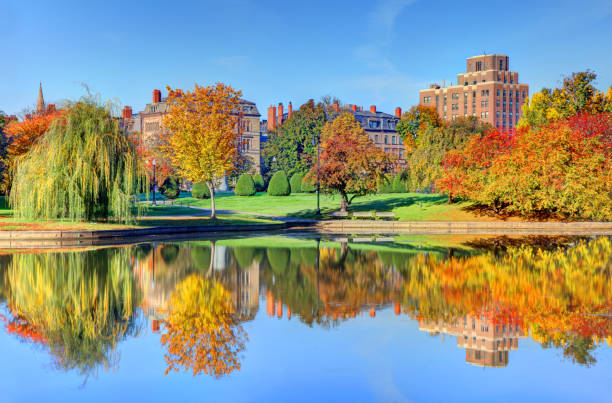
point(487, 90)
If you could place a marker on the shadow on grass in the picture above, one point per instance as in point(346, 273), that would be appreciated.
point(386, 204)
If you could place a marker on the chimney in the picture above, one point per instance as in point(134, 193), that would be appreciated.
point(290, 107)
point(372, 312)
point(270, 304)
point(271, 118)
point(443, 83)
point(127, 112)
point(398, 112)
point(336, 107)
point(373, 108)
point(156, 96)
point(398, 308)
point(354, 108)
point(155, 326)
point(279, 309)
point(280, 113)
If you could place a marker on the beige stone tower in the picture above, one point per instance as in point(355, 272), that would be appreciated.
point(40, 105)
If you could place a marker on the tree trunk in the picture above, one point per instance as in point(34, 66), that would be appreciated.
point(211, 189)
point(212, 259)
point(343, 202)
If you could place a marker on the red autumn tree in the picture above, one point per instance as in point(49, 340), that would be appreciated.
point(562, 170)
point(21, 136)
point(350, 163)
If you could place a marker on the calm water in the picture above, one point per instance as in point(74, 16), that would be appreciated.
point(410, 318)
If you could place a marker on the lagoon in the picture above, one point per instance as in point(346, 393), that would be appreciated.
point(303, 318)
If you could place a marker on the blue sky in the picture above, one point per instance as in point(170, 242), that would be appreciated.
point(364, 52)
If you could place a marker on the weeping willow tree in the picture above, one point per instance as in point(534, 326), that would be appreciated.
point(81, 304)
point(83, 168)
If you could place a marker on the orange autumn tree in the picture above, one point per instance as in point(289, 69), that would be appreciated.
point(21, 136)
point(350, 163)
point(201, 129)
point(202, 333)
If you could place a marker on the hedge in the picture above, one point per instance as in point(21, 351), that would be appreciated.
point(170, 188)
point(279, 185)
point(260, 184)
point(296, 183)
point(245, 185)
point(308, 186)
point(200, 191)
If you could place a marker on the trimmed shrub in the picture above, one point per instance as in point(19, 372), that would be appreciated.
point(200, 191)
point(308, 186)
point(244, 256)
point(279, 185)
point(398, 186)
point(260, 184)
point(296, 183)
point(170, 188)
point(245, 185)
point(278, 259)
point(385, 186)
point(169, 253)
point(201, 256)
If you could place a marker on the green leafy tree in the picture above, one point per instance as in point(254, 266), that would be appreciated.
point(290, 147)
point(577, 95)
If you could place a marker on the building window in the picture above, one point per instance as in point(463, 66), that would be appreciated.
point(386, 139)
point(455, 96)
point(478, 66)
point(501, 64)
point(523, 94)
point(376, 136)
point(504, 93)
point(497, 92)
point(466, 83)
point(392, 139)
point(374, 124)
point(474, 82)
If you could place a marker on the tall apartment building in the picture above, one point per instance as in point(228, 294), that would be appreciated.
point(486, 343)
point(148, 124)
point(488, 90)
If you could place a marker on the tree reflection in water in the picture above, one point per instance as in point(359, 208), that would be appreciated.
point(488, 293)
point(76, 305)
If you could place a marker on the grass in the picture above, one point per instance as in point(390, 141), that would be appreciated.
point(406, 206)
point(154, 216)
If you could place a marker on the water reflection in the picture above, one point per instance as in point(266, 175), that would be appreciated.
point(488, 293)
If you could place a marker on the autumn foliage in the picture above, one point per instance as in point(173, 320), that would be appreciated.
point(562, 170)
point(201, 131)
point(350, 163)
point(21, 136)
point(202, 334)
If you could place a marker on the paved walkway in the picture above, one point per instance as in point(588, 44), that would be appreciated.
point(206, 211)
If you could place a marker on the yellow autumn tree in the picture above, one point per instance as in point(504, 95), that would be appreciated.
point(201, 131)
point(202, 332)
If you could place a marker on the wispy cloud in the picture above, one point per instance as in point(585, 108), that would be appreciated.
point(384, 80)
point(235, 63)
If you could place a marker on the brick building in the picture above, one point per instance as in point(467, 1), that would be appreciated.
point(149, 124)
point(486, 343)
point(380, 126)
point(488, 90)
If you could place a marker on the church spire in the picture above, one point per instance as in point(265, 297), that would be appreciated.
point(40, 106)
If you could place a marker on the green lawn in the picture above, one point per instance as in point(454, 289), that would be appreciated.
point(154, 216)
point(406, 206)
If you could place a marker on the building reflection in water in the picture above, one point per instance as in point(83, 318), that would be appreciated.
point(486, 344)
point(542, 293)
